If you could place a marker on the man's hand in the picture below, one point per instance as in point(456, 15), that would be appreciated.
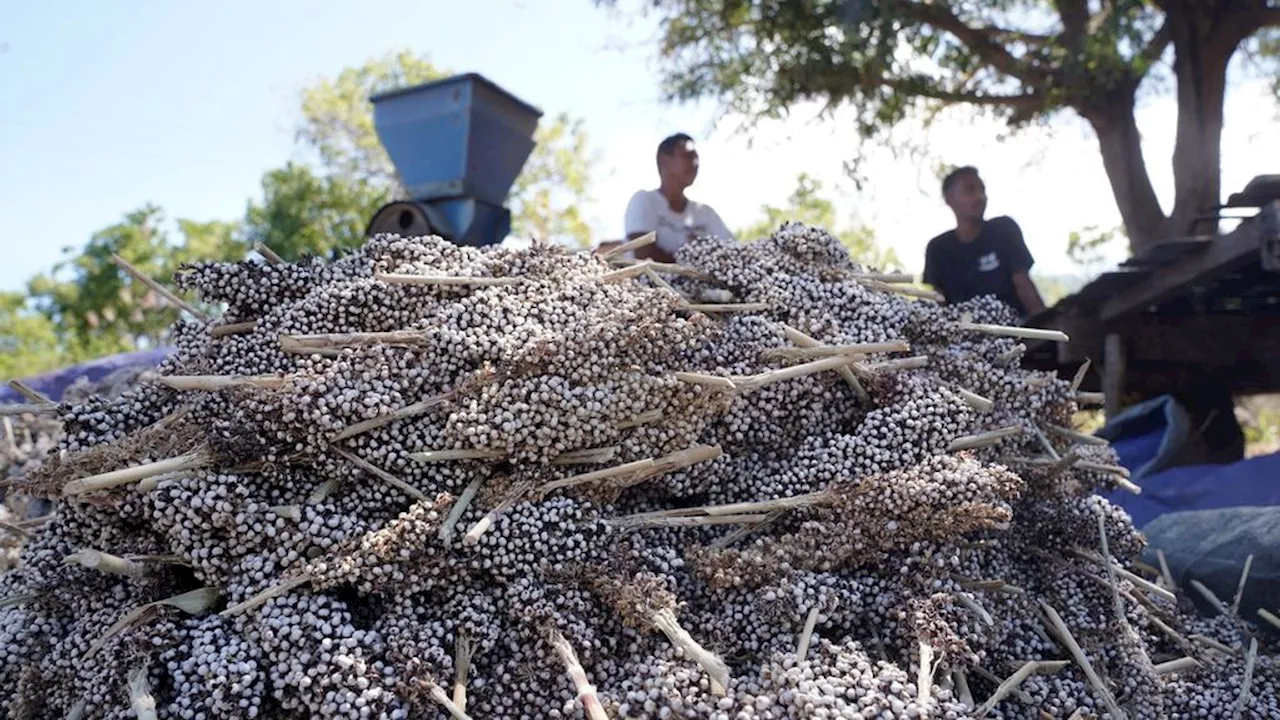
point(647, 252)
point(654, 253)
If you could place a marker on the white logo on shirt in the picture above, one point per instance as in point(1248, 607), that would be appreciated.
point(988, 262)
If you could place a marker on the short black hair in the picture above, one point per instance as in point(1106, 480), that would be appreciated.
point(950, 180)
point(669, 144)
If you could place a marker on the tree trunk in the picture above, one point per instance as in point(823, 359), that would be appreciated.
point(1205, 35)
point(1126, 168)
point(1202, 50)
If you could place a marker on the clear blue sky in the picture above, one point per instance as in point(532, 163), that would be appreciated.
point(107, 105)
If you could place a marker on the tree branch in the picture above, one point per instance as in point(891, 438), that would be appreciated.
point(1075, 18)
point(1097, 21)
point(980, 40)
point(1155, 47)
point(1233, 22)
point(1000, 34)
point(1024, 103)
point(1265, 16)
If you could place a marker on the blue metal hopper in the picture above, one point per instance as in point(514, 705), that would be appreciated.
point(457, 144)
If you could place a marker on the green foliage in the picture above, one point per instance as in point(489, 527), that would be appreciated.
point(97, 304)
point(888, 59)
point(1268, 52)
point(1261, 424)
point(214, 240)
point(337, 117)
point(546, 197)
point(1085, 246)
point(28, 338)
point(98, 308)
point(1263, 58)
point(1054, 287)
point(807, 204)
point(305, 214)
point(87, 307)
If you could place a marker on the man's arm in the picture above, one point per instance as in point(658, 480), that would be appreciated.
point(641, 219)
point(932, 275)
point(611, 244)
point(1028, 293)
point(607, 246)
point(1019, 258)
point(648, 252)
point(651, 251)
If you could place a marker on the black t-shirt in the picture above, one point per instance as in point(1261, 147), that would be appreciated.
point(986, 266)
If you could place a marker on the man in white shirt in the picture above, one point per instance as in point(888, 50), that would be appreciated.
point(666, 211)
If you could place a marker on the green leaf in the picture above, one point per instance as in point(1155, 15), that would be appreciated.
point(305, 214)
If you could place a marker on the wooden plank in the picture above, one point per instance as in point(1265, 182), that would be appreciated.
point(1090, 296)
point(1113, 372)
point(1167, 252)
point(1152, 379)
point(1079, 324)
point(1224, 254)
point(1108, 284)
point(1221, 341)
point(1218, 340)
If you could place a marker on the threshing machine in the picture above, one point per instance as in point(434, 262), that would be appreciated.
point(457, 145)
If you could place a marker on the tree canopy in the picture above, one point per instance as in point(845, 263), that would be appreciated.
point(28, 338)
point(1023, 61)
point(99, 308)
point(305, 213)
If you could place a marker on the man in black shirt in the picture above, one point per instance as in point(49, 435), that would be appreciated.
point(980, 257)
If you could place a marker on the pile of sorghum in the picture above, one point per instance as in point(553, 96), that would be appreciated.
point(433, 481)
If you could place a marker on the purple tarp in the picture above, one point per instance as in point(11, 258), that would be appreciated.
point(54, 383)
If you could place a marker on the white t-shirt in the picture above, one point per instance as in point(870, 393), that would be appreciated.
point(648, 211)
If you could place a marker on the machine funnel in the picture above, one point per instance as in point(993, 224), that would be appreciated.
point(461, 137)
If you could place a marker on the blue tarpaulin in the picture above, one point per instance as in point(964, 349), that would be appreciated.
point(1211, 546)
point(1249, 483)
point(1205, 519)
point(54, 383)
point(1148, 438)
